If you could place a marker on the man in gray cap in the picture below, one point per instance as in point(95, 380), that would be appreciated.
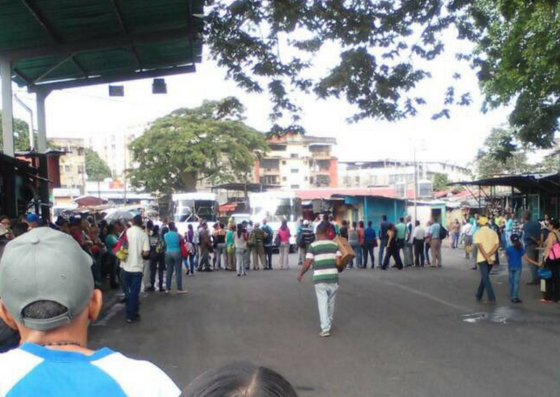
point(47, 293)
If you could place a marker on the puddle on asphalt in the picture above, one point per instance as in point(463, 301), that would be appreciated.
point(500, 315)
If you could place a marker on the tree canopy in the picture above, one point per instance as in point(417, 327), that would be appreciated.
point(270, 45)
point(96, 168)
point(189, 145)
point(21, 134)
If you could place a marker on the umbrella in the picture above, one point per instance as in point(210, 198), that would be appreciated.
point(119, 215)
point(151, 213)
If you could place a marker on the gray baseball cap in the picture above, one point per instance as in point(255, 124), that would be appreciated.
point(45, 264)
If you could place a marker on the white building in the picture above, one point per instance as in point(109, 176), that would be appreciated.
point(113, 149)
point(393, 172)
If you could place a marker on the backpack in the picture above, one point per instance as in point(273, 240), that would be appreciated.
point(442, 233)
point(252, 241)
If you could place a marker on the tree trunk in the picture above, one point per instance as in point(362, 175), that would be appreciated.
point(189, 180)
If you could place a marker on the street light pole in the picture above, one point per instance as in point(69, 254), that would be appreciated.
point(415, 187)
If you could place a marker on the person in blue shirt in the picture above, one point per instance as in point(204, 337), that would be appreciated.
point(514, 254)
point(531, 241)
point(173, 258)
point(369, 245)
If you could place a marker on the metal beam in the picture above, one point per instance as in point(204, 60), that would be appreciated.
point(118, 41)
point(115, 79)
point(51, 69)
point(118, 13)
point(7, 108)
point(41, 121)
point(38, 15)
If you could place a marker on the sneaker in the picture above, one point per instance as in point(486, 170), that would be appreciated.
point(324, 334)
point(238, 275)
point(182, 292)
point(517, 300)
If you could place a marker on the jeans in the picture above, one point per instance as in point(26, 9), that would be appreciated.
point(220, 252)
point(204, 259)
point(326, 296)
point(284, 255)
point(514, 276)
point(436, 252)
point(508, 234)
point(240, 255)
point(419, 252)
point(191, 263)
point(427, 249)
point(485, 284)
point(408, 258)
point(302, 253)
point(174, 262)
point(358, 250)
point(157, 264)
point(532, 253)
point(382, 245)
point(455, 237)
point(268, 253)
point(132, 282)
point(368, 251)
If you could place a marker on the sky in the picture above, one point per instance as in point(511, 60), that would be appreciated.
point(88, 111)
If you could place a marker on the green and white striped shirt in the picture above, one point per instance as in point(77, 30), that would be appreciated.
point(324, 253)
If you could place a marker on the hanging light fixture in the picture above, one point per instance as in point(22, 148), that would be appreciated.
point(116, 90)
point(159, 86)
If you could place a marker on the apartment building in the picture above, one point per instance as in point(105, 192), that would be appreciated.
point(393, 172)
point(297, 161)
point(72, 163)
point(113, 149)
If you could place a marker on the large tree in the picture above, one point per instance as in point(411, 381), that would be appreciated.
point(188, 145)
point(270, 45)
point(96, 168)
point(21, 134)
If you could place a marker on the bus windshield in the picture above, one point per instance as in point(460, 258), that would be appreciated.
point(195, 211)
point(277, 209)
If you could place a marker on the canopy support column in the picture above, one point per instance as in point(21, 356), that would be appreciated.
point(7, 108)
point(41, 121)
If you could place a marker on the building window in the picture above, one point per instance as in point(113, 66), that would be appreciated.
point(284, 179)
point(283, 162)
point(80, 169)
point(294, 187)
point(294, 155)
point(294, 170)
point(67, 168)
point(305, 179)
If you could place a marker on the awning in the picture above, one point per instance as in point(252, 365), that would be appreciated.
point(57, 44)
point(522, 182)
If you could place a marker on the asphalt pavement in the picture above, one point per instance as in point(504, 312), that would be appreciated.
point(416, 332)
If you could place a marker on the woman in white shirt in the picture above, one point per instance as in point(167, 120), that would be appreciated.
point(240, 240)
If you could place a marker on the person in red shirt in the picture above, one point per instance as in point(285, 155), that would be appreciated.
point(361, 236)
point(284, 237)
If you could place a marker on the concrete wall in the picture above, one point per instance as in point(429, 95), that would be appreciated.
point(373, 208)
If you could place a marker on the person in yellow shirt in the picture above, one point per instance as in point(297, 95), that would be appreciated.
point(487, 243)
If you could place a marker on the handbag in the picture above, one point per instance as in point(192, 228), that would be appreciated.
point(554, 253)
point(184, 249)
point(544, 273)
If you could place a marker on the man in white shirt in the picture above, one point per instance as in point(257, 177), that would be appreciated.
point(48, 295)
point(409, 244)
point(467, 236)
point(418, 239)
point(133, 267)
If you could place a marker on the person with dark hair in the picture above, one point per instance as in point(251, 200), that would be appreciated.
point(157, 259)
point(52, 310)
point(111, 239)
point(531, 240)
point(354, 242)
point(392, 249)
point(418, 238)
point(20, 228)
point(240, 379)
point(173, 259)
point(268, 243)
point(189, 239)
point(514, 254)
point(205, 245)
point(219, 237)
point(370, 239)
point(344, 229)
point(240, 238)
point(383, 228)
point(5, 224)
point(552, 262)
point(324, 257)
point(133, 266)
point(284, 235)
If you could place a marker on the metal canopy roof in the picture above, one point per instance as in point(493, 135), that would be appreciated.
point(57, 44)
point(523, 182)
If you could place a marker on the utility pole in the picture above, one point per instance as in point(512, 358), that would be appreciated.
point(415, 186)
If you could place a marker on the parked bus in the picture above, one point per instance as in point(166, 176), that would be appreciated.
point(276, 206)
point(192, 208)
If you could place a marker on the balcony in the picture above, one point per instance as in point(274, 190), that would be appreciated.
point(270, 171)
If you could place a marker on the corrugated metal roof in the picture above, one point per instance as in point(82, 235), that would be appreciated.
point(65, 43)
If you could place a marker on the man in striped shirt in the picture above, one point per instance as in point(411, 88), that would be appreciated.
point(323, 255)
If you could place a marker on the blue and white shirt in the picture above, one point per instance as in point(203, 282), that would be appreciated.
point(33, 370)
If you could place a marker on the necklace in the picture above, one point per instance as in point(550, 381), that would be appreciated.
point(61, 344)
